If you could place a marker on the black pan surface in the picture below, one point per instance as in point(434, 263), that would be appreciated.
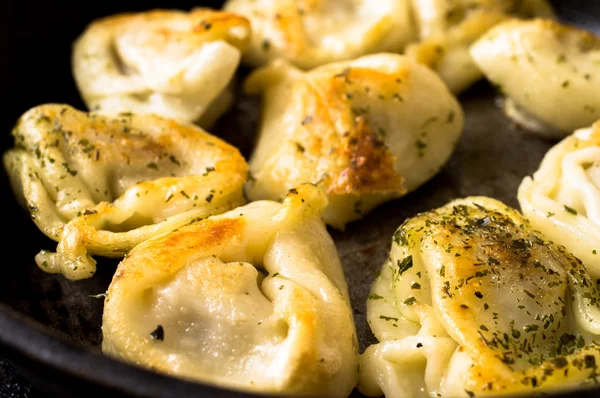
point(50, 327)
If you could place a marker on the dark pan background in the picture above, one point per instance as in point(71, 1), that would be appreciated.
point(50, 327)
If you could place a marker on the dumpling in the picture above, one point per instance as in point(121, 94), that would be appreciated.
point(474, 302)
point(252, 299)
point(311, 33)
point(547, 71)
point(365, 131)
point(99, 186)
point(176, 64)
point(563, 198)
point(448, 27)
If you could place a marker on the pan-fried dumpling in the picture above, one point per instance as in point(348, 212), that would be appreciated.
point(563, 198)
point(474, 302)
point(365, 131)
point(448, 27)
point(99, 186)
point(173, 63)
point(311, 33)
point(547, 71)
point(253, 299)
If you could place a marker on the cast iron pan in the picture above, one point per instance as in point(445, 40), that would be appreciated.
point(50, 327)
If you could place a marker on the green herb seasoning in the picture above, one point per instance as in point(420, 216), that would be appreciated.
point(570, 210)
point(405, 264)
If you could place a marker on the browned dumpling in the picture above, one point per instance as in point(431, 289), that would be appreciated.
point(365, 131)
point(311, 33)
point(252, 299)
point(474, 302)
point(172, 63)
point(100, 185)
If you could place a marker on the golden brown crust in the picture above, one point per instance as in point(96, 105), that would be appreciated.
point(370, 166)
point(187, 240)
point(362, 162)
point(204, 24)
